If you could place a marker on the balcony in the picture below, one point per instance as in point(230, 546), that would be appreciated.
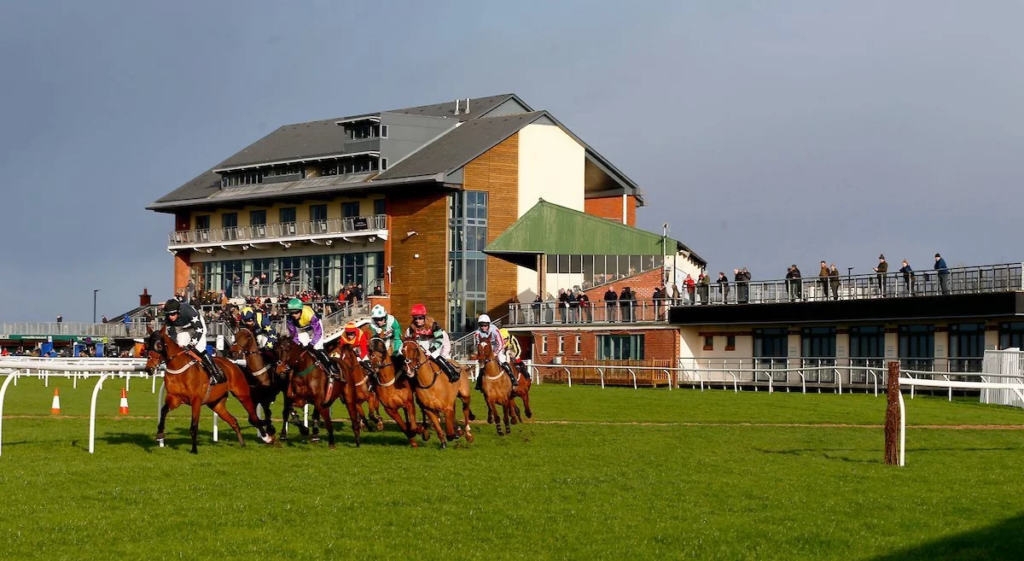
point(321, 232)
point(560, 315)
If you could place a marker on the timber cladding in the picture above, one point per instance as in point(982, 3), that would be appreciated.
point(424, 279)
point(497, 172)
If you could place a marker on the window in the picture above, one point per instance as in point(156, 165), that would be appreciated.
point(966, 347)
point(384, 133)
point(819, 351)
point(229, 220)
point(318, 216)
point(709, 343)
point(730, 342)
point(578, 344)
point(771, 349)
point(380, 206)
point(258, 221)
point(243, 178)
point(620, 347)
point(917, 346)
point(349, 210)
point(467, 264)
point(1011, 335)
point(383, 164)
point(544, 345)
point(203, 222)
point(287, 215)
point(561, 345)
point(867, 350)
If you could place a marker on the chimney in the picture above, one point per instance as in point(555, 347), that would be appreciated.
point(145, 298)
point(467, 106)
point(457, 106)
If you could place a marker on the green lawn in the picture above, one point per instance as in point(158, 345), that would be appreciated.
point(625, 474)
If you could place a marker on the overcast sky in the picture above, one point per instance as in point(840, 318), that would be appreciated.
point(764, 133)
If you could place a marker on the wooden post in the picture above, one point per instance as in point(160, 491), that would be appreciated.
point(892, 416)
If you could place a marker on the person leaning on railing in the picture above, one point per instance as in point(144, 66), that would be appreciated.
point(943, 272)
point(833, 281)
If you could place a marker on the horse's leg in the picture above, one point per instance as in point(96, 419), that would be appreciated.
point(163, 418)
point(355, 413)
point(492, 411)
point(197, 409)
point(437, 425)
point(526, 402)
point(221, 409)
point(505, 407)
point(374, 405)
point(515, 417)
point(325, 413)
point(286, 411)
point(250, 408)
point(449, 420)
point(394, 413)
point(315, 422)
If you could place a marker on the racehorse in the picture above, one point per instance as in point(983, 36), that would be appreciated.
point(496, 386)
point(435, 394)
point(394, 392)
point(308, 383)
point(522, 391)
point(357, 390)
point(266, 384)
point(187, 382)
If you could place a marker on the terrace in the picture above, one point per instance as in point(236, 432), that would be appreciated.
point(321, 232)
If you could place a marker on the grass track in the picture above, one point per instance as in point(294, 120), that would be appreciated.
point(596, 487)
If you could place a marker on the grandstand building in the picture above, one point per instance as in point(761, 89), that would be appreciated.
point(409, 202)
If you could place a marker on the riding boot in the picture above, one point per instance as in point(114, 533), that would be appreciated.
point(480, 381)
point(449, 369)
point(216, 376)
point(511, 375)
point(369, 375)
point(524, 370)
point(332, 368)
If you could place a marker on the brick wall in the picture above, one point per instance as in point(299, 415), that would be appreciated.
point(660, 344)
point(497, 172)
point(611, 208)
point(642, 285)
point(424, 279)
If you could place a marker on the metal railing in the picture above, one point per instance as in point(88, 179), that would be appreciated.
point(46, 329)
point(280, 230)
point(561, 313)
point(958, 280)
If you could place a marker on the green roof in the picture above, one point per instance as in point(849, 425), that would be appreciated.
point(552, 229)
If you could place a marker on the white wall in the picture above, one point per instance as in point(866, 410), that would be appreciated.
point(551, 167)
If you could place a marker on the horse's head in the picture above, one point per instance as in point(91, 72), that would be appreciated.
point(414, 355)
point(379, 353)
point(484, 351)
point(244, 342)
point(287, 355)
point(155, 348)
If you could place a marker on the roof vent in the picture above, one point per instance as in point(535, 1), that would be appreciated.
point(457, 106)
point(467, 106)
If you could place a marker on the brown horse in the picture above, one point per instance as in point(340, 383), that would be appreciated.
point(522, 391)
point(496, 386)
point(357, 389)
point(265, 384)
point(394, 392)
point(436, 395)
point(308, 383)
point(187, 382)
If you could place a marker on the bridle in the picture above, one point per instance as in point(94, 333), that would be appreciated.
point(246, 353)
point(168, 359)
point(414, 371)
point(485, 362)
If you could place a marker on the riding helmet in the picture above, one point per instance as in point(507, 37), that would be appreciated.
point(295, 305)
point(378, 312)
point(419, 310)
point(172, 306)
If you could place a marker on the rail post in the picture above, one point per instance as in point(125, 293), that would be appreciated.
point(12, 376)
point(630, 370)
point(601, 372)
point(215, 432)
point(950, 388)
point(669, 378)
point(893, 416)
point(92, 413)
point(569, 375)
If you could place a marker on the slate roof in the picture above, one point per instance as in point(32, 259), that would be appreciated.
point(460, 146)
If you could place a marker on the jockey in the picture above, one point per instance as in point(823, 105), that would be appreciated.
point(305, 330)
point(429, 334)
point(259, 323)
point(355, 338)
point(487, 334)
point(514, 351)
point(384, 326)
point(188, 329)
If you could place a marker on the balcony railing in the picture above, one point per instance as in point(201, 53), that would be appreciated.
point(561, 314)
point(43, 329)
point(962, 280)
point(356, 225)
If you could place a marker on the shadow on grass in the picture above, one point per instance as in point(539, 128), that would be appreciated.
point(835, 453)
point(1004, 540)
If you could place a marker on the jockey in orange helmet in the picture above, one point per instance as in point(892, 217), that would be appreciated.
point(355, 339)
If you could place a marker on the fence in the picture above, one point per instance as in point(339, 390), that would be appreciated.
point(281, 230)
point(1006, 363)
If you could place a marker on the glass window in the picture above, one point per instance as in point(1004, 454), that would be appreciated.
point(203, 222)
point(620, 347)
point(623, 266)
point(1011, 335)
point(380, 206)
point(561, 344)
point(588, 270)
point(383, 164)
point(818, 342)
point(575, 264)
point(287, 215)
point(229, 220)
point(349, 210)
point(730, 342)
point(383, 131)
point(917, 346)
point(578, 344)
point(709, 343)
point(258, 218)
point(544, 345)
point(563, 264)
point(966, 347)
point(317, 213)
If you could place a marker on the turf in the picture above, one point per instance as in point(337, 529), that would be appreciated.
point(599, 474)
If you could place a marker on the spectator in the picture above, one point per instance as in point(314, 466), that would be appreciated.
point(743, 285)
point(278, 284)
point(563, 304)
point(610, 303)
point(794, 283)
point(943, 271)
point(833, 277)
point(103, 319)
point(691, 289)
point(823, 280)
point(572, 306)
point(881, 269)
point(60, 318)
point(659, 300)
point(908, 277)
point(190, 290)
point(703, 287)
point(127, 325)
point(377, 291)
point(676, 299)
point(626, 310)
point(536, 309)
point(723, 286)
point(585, 309)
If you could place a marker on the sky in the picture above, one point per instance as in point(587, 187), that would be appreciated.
point(763, 133)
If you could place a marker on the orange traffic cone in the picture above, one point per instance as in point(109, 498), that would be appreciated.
point(55, 408)
point(123, 410)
